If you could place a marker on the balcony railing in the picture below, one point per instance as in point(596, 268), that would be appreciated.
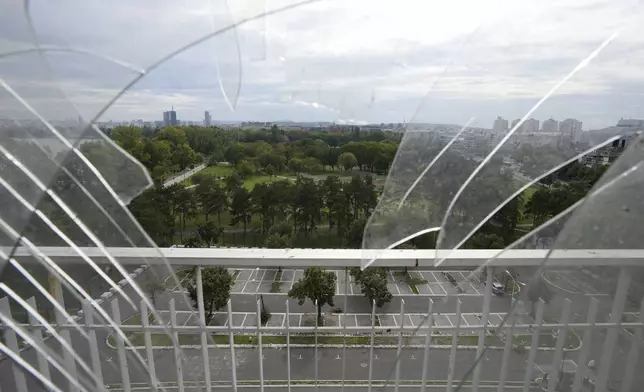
point(577, 341)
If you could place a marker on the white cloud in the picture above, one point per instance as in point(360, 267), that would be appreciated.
point(365, 60)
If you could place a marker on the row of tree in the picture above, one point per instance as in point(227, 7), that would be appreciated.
point(282, 208)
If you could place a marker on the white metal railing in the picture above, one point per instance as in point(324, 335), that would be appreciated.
point(515, 339)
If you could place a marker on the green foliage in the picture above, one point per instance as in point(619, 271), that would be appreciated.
point(318, 286)
point(209, 233)
point(485, 241)
point(347, 160)
point(217, 283)
point(276, 241)
point(194, 242)
point(373, 282)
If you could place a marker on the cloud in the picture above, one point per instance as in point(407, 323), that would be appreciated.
point(361, 60)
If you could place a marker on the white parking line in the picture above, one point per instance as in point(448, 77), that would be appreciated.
point(450, 321)
point(299, 322)
point(395, 322)
point(188, 319)
point(247, 280)
point(395, 284)
point(464, 320)
point(411, 322)
point(293, 281)
point(260, 282)
point(244, 320)
point(355, 316)
point(337, 281)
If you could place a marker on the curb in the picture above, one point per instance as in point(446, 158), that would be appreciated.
point(281, 346)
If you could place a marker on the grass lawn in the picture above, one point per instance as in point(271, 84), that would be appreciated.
point(219, 170)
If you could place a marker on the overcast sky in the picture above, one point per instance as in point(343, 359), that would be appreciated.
point(346, 61)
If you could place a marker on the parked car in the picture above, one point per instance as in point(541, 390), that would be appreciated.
point(498, 288)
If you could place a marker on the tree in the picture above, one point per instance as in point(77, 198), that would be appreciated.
point(339, 212)
point(216, 283)
point(318, 286)
point(183, 156)
point(185, 204)
point(209, 233)
point(486, 241)
point(276, 241)
point(213, 198)
point(240, 209)
point(374, 284)
point(193, 242)
point(538, 290)
point(347, 160)
point(245, 169)
point(355, 233)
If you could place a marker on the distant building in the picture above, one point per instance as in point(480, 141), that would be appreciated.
point(514, 124)
point(207, 120)
point(170, 118)
point(607, 154)
point(550, 125)
point(500, 125)
point(570, 131)
point(630, 123)
point(531, 125)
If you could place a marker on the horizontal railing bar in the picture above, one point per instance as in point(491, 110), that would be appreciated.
point(321, 330)
point(329, 258)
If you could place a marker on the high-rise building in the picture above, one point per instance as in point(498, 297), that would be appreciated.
point(514, 124)
point(500, 125)
point(570, 130)
point(206, 118)
point(550, 125)
point(531, 125)
point(170, 118)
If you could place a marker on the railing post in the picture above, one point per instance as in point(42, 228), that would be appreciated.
point(11, 341)
point(633, 353)
point(344, 325)
point(202, 324)
point(561, 341)
point(70, 362)
point(316, 346)
point(231, 341)
point(177, 350)
point(88, 315)
point(509, 332)
point(120, 346)
point(259, 346)
point(373, 331)
point(428, 343)
point(43, 365)
point(612, 334)
point(288, 347)
point(534, 344)
point(582, 359)
point(148, 346)
point(400, 344)
point(487, 297)
point(452, 354)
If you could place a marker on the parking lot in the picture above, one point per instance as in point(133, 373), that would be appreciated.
point(249, 319)
point(427, 283)
point(572, 281)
